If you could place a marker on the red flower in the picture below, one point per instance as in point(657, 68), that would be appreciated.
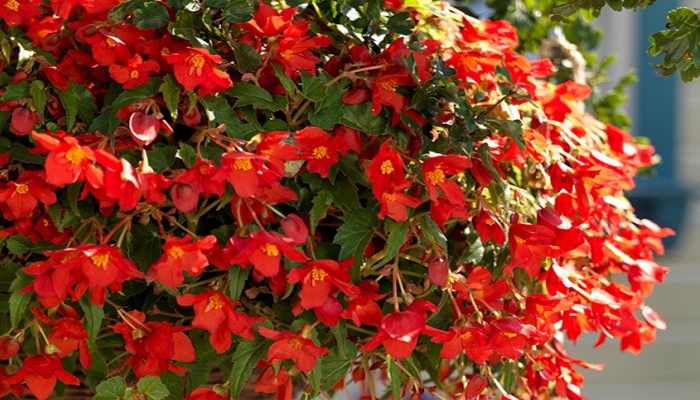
point(69, 335)
point(107, 48)
point(294, 51)
point(195, 67)
point(180, 255)
point(470, 338)
point(435, 171)
point(393, 202)
point(245, 171)
point(121, 182)
point(386, 168)
point(319, 149)
point(215, 312)
point(15, 12)
point(384, 92)
point(363, 309)
point(204, 394)
point(274, 380)
point(288, 345)
point(267, 22)
point(153, 344)
point(489, 228)
point(399, 333)
point(40, 373)
point(318, 279)
point(68, 162)
point(509, 335)
point(264, 250)
point(19, 198)
point(528, 244)
point(136, 72)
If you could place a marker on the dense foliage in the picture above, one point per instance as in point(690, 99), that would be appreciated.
point(318, 192)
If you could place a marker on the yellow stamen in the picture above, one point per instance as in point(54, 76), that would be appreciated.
point(387, 167)
point(242, 164)
point(109, 42)
point(175, 252)
point(320, 152)
point(134, 74)
point(436, 176)
point(22, 189)
point(296, 343)
point(75, 155)
point(100, 260)
point(12, 5)
point(271, 250)
point(388, 85)
point(197, 60)
point(215, 302)
point(519, 240)
point(318, 274)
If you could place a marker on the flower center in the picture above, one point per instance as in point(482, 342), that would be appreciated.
point(175, 252)
point(270, 250)
point(109, 42)
point(519, 240)
point(320, 152)
point(75, 155)
point(165, 51)
point(509, 335)
point(100, 260)
point(466, 335)
point(134, 74)
point(242, 164)
point(318, 274)
point(387, 167)
point(436, 176)
point(389, 197)
point(296, 343)
point(388, 85)
point(12, 5)
point(215, 302)
point(203, 170)
point(489, 222)
point(22, 189)
point(197, 60)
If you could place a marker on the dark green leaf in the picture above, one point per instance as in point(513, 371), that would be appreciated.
point(329, 110)
point(174, 384)
point(151, 15)
point(392, 373)
point(18, 304)
point(187, 154)
point(137, 94)
point(247, 354)
point(111, 389)
point(18, 244)
point(20, 152)
point(401, 23)
point(78, 101)
point(162, 158)
point(247, 59)
point(321, 203)
point(16, 91)
point(188, 27)
point(215, 3)
point(397, 237)
point(224, 114)
point(312, 87)
point(334, 366)
point(356, 232)
point(249, 94)
point(98, 369)
point(237, 277)
point(93, 315)
point(360, 117)
point(287, 82)
point(152, 387)
point(238, 11)
point(171, 93)
point(38, 93)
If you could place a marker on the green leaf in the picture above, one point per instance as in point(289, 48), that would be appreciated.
point(98, 369)
point(356, 232)
point(137, 94)
point(401, 23)
point(73, 193)
point(238, 11)
point(215, 3)
point(38, 93)
point(20, 152)
point(18, 244)
point(237, 277)
point(187, 154)
point(247, 59)
point(19, 301)
point(152, 387)
point(247, 354)
point(174, 384)
point(162, 158)
point(78, 101)
point(16, 91)
point(392, 373)
point(312, 87)
point(93, 315)
point(250, 95)
point(187, 26)
point(151, 15)
point(111, 389)
point(171, 93)
point(360, 117)
point(197, 374)
point(397, 237)
point(321, 203)
point(287, 82)
point(334, 366)
point(224, 114)
point(328, 112)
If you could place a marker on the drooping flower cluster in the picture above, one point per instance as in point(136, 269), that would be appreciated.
point(307, 192)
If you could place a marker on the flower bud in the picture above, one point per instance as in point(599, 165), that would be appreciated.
point(9, 346)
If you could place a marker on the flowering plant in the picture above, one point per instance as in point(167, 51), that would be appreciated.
point(322, 192)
